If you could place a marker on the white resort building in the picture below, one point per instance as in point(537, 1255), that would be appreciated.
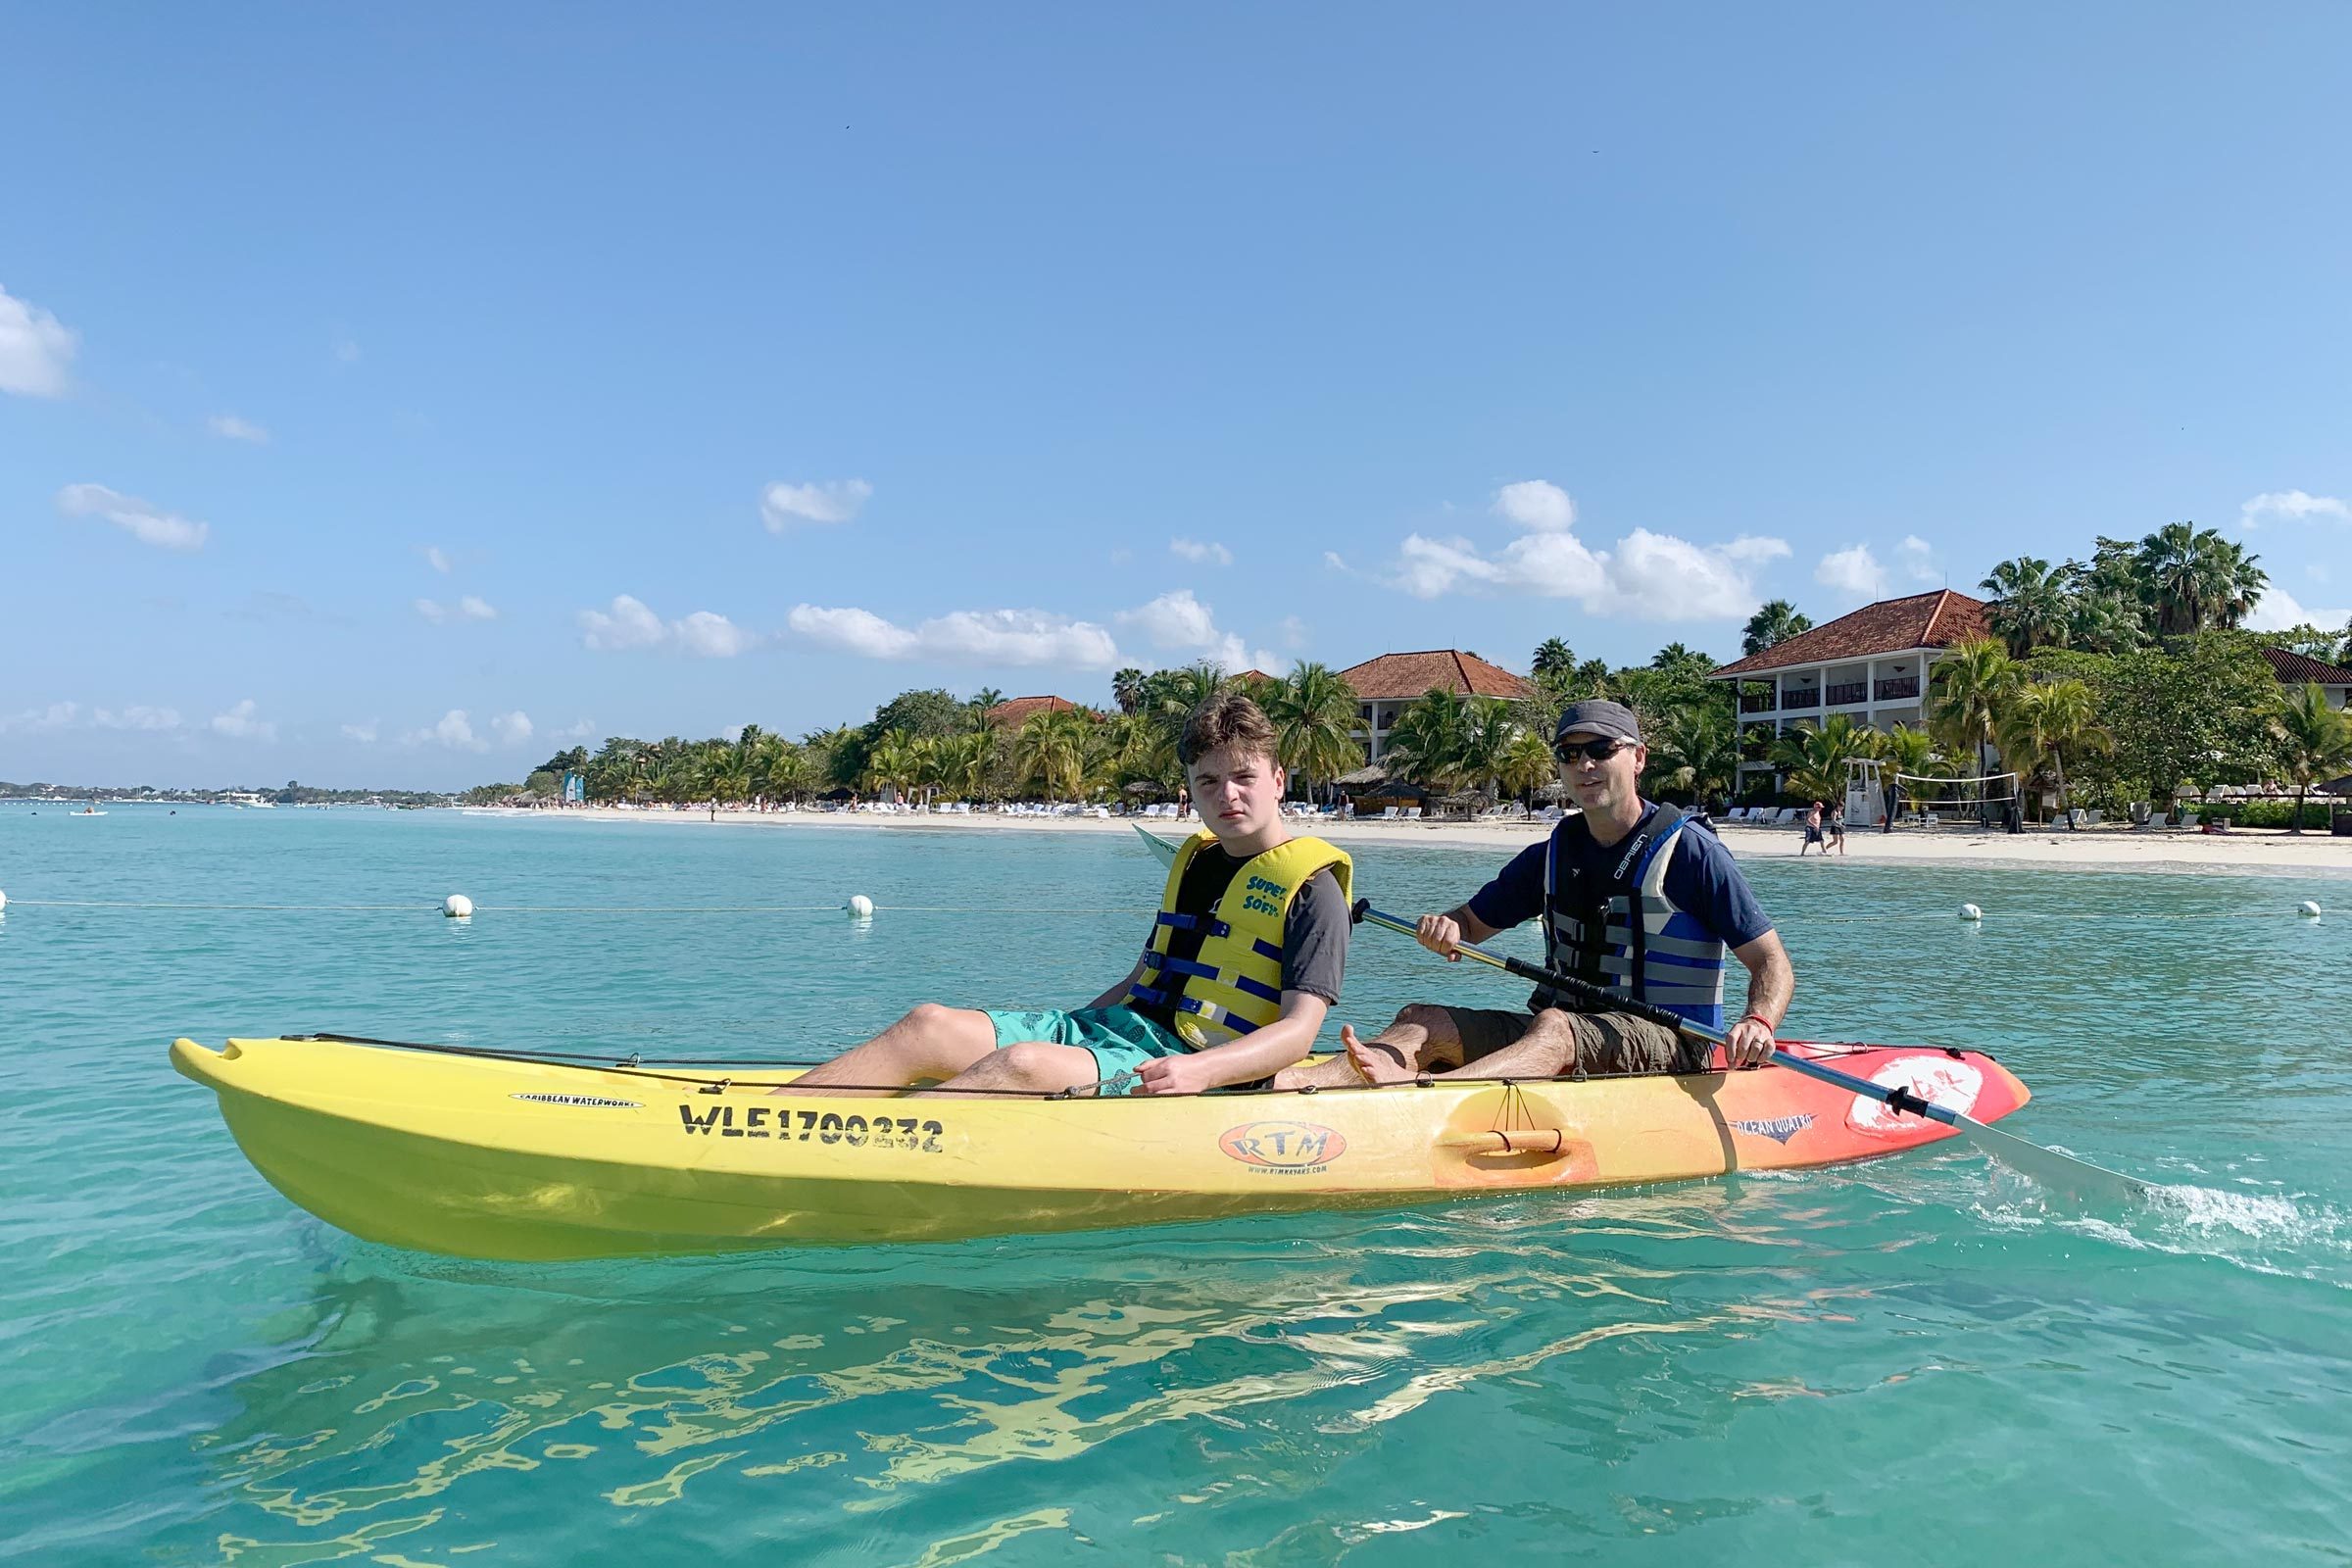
point(1872, 665)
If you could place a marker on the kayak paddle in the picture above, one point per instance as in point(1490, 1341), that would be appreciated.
point(2046, 1167)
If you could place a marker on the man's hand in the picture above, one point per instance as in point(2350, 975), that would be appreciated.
point(1441, 934)
point(1186, 1074)
point(1748, 1043)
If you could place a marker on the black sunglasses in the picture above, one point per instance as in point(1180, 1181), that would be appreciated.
point(1599, 749)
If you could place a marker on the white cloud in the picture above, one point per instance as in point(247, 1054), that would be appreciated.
point(785, 505)
point(35, 349)
point(345, 349)
point(629, 623)
point(470, 607)
point(972, 636)
point(142, 520)
point(455, 731)
point(438, 560)
point(1919, 559)
point(1536, 504)
point(364, 734)
point(1179, 623)
point(228, 427)
point(56, 716)
point(242, 723)
point(1853, 572)
point(1644, 575)
point(2277, 611)
point(2294, 506)
point(708, 635)
point(136, 718)
point(575, 732)
point(1201, 550)
point(512, 729)
point(1294, 632)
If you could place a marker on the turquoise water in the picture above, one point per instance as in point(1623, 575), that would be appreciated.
point(1912, 1360)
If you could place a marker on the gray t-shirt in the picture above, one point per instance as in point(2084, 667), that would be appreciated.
point(1314, 939)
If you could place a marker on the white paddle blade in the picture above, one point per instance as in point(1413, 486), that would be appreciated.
point(2062, 1174)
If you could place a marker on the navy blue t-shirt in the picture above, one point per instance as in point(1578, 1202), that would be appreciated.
point(1702, 880)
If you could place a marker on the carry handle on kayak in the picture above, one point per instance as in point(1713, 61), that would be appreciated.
point(2047, 1166)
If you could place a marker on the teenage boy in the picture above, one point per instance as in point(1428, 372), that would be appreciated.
point(1632, 899)
point(1243, 961)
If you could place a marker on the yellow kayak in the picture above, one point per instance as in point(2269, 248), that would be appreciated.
point(509, 1155)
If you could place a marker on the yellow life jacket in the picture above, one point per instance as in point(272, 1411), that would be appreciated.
point(1235, 985)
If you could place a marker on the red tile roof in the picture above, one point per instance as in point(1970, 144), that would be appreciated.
point(2296, 668)
point(1393, 677)
point(1009, 715)
point(1937, 620)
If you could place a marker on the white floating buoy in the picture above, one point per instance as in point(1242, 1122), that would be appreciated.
point(3, 901)
point(1969, 912)
point(2309, 909)
point(861, 907)
point(458, 907)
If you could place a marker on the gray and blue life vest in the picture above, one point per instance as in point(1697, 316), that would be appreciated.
point(1620, 932)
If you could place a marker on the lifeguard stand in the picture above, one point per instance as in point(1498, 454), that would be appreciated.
point(1865, 793)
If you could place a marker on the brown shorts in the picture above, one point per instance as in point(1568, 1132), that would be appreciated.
point(1605, 1041)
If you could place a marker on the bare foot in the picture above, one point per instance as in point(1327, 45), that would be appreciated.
point(1377, 1063)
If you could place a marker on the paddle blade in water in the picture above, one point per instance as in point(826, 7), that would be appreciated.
point(2046, 1167)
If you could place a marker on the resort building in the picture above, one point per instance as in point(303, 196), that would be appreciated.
point(1389, 684)
point(1872, 665)
point(2293, 670)
point(1013, 710)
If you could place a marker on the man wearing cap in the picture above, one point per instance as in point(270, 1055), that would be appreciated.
point(1633, 898)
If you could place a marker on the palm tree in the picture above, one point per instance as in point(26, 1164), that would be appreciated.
point(2196, 581)
point(1429, 740)
point(986, 698)
point(2029, 604)
point(890, 763)
point(2103, 621)
point(1553, 660)
point(2318, 742)
point(1814, 761)
point(2047, 719)
point(1127, 689)
point(1699, 748)
point(1051, 750)
point(1777, 622)
point(1969, 689)
point(1527, 765)
point(1315, 715)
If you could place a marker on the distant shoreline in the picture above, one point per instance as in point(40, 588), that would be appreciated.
point(2121, 848)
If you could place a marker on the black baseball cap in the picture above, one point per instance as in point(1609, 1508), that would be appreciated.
point(1599, 716)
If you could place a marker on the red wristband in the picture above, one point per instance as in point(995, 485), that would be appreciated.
point(1769, 1027)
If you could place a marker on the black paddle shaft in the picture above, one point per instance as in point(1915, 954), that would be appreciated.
point(1568, 984)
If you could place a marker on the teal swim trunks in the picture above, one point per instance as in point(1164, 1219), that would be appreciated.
point(1121, 1038)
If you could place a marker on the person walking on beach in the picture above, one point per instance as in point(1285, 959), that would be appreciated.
point(1836, 831)
point(1633, 898)
point(1242, 964)
point(1812, 832)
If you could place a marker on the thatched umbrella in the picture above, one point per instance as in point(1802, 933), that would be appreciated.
point(1364, 776)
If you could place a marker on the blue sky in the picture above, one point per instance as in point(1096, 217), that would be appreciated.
point(390, 398)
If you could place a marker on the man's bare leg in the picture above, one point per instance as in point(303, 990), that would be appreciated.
point(1549, 1049)
point(1029, 1067)
point(1558, 1044)
point(930, 1042)
point(1421, 1039)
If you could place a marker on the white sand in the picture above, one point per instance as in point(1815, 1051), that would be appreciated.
point(2243, 849)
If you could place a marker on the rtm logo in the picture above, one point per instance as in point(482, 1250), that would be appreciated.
point(1284, 1148)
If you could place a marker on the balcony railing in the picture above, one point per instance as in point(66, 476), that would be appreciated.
point(1902, 686)
point(1811, 699)
point(1760, 704)
point(1847, 695)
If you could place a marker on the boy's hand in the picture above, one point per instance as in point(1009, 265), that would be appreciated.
point(1174, 1075)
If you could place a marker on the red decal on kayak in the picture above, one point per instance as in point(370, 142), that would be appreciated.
point(1290, 1147)
point(1939, 1080)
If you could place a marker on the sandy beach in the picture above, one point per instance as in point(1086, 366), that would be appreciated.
point(2241, 849)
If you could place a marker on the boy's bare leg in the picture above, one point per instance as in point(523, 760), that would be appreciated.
point(1029, 1067)
point(930, 1042)
point(1422, 1039)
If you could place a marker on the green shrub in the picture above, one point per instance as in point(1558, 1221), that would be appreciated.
point(2264, 813)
